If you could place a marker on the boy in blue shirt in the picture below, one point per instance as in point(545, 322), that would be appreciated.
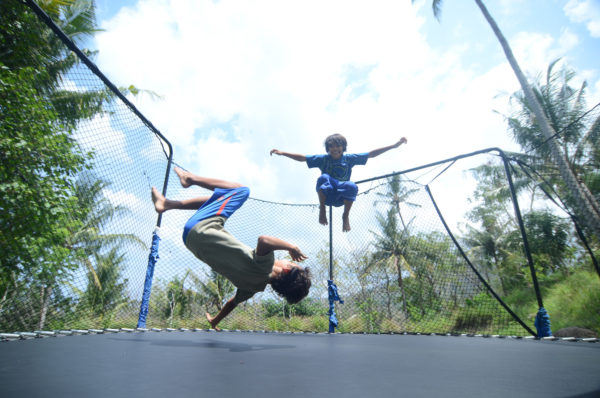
point(334, 187)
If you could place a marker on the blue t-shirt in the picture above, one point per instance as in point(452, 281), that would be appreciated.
point(340, 169)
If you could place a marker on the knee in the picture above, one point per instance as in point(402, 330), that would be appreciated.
point(244, 191)
point(323, 178)
point(351, 188)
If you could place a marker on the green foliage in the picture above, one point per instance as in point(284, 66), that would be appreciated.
point(38, 160)
point(370, 316)
point(575, 301)
point(577, 133)
point(105, 289)
point(215, 289)
point(306, 307)
point(476, 315)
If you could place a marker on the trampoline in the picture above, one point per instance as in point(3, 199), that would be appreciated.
point(254, 364)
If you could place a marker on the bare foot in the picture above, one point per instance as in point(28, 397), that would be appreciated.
point(322, 216)
point(183, 177)
point(346, 226)
point(159, 200)
point(209, 318)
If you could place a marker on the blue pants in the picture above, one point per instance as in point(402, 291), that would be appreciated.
point(336, 192)
point(223, 202)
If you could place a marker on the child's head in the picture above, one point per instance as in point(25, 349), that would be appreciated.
point(335, 140)
point(293, 285)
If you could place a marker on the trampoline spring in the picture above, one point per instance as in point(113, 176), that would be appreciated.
point(10, 336)
point(44, 333)
point(28, 334)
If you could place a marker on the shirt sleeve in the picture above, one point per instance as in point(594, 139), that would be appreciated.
point(242, 295)
point(314, 161)
point(357, 158)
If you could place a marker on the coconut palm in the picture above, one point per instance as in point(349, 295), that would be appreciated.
point(105, 289)
point(215, 289)
point(565, 107)
point(398, 194)
point(95, 212)
point(587, 208)
point(390, 246)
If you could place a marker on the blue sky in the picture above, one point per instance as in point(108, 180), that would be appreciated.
point(239, 78)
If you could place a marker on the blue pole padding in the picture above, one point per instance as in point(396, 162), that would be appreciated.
point(152, 258)
point(542, 323)
point(333, 297)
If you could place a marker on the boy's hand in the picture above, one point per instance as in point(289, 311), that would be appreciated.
point(402, 141)
point(296, 254)
point(276, 152)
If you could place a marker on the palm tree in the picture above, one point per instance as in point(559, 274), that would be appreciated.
point(215, 290)
point(390, 248)
point(587, 208)
point(86, 243)
point(391, 243)
point(565, 107)
point(105, 291)
point(178, 297)
point(95, 212)
point(398, 194)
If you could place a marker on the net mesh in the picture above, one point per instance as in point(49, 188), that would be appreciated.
point(397, 270)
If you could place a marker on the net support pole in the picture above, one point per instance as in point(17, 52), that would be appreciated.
point(542, 319)
point(330, 243)
point(332, 291)
point(152, 257)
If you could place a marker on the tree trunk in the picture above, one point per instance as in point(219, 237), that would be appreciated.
point(586, 208)
point(46, 294)
point(401, 285)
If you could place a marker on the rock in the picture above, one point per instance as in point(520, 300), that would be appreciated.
point(575, 332)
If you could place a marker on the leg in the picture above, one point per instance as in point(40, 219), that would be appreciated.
point(162, 204)
point(322, 212)
point(348, 191)
point(186, 178)
point(345, 219)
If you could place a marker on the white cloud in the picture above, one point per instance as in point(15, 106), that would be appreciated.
point(241, 78)
point(122, 198)
point(586, 12)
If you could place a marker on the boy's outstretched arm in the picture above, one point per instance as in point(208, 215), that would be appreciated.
point(226, 310)
point(267, 244)
point(379, 151)
point(295, 156)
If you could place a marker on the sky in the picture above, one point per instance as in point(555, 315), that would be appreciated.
point(239, 78)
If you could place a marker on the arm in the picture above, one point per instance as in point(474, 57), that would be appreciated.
point(227, 308)
point(295, 156)
point(267, 244)
point(377, 152)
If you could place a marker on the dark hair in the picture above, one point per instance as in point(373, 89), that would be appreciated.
point(293, 285)
point(334, 140)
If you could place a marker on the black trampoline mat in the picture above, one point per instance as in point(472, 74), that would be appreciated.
point(252, 364)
